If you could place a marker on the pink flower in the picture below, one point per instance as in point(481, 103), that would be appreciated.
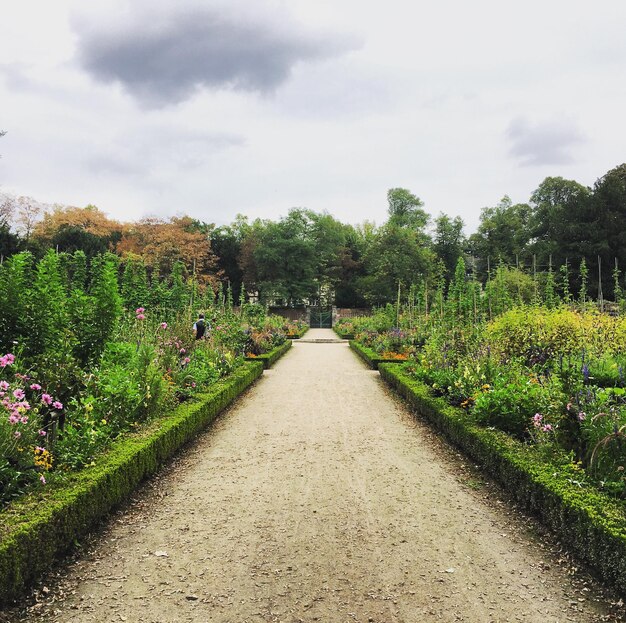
point(13, 419)
point(140, 310)
point(182, 351)
point(24, 419)
point(537, 418)
point(19, 394)
point(6, 360)
point(581, 416)
point(546, 428)
point(17, 434)
point(140, 317)
point(42, 433)
point(186, 360)
point(46, 399)
point(164, 325)
point(57, 405)
point(42, 479)
point(35, 387)
point(4, 385)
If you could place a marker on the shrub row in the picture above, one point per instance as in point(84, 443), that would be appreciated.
point(298, 334)
point(344, 335)
point(591, 523)
point(270, 358)
point(369, 356)
point(37, 529)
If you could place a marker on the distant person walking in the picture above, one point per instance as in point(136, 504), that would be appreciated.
point(199, 327)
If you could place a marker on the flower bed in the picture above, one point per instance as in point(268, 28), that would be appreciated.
point(41, 526)
point(592, 523)
point(270, 358)
point(344, 329)
point(372, 358)
point(296, 330)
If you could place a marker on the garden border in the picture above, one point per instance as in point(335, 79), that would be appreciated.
point(297, 336)
point(343, 336)
point(39, 528)
point(590, 522)
point(269, 359)
point(371, 357)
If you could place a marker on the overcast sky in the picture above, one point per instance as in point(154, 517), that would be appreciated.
point(213, 108)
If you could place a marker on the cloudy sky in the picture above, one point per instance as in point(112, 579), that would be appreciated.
point(218, 107)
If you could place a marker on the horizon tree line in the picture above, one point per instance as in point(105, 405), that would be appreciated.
point(308, 256)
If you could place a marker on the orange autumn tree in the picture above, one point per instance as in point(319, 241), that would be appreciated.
point(161, 243)
point(70, 228)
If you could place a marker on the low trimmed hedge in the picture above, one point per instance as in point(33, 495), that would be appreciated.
point(590, 522)
point(40, 527)
point(269, 359)
point(344, 335)
point(299, 334)
point(371, 357)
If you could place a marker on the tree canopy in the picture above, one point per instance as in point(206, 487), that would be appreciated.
point(308, 256)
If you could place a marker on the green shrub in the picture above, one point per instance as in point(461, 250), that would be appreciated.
point(512, 406)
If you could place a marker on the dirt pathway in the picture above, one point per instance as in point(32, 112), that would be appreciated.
point(316, 498)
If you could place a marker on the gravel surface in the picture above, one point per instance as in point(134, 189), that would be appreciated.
point(318, 497)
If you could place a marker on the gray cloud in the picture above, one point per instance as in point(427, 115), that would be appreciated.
point(545, 142)
point(152, 150)
point(164, 61)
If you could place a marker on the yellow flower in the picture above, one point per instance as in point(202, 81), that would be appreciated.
point(43, 458)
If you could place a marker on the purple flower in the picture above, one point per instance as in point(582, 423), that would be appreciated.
point(46, 399)
point(585, 371)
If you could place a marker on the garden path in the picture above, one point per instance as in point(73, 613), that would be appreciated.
point(317, 497)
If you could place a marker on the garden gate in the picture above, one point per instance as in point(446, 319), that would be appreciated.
point(321, 317)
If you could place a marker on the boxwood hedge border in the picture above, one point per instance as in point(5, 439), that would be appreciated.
point(371, 357)
point(270, 358)
point(42, 526)
point(298, 335)
point(589, 522)
point(342, 334)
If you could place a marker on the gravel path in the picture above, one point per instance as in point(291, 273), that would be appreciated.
point(317, 497)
